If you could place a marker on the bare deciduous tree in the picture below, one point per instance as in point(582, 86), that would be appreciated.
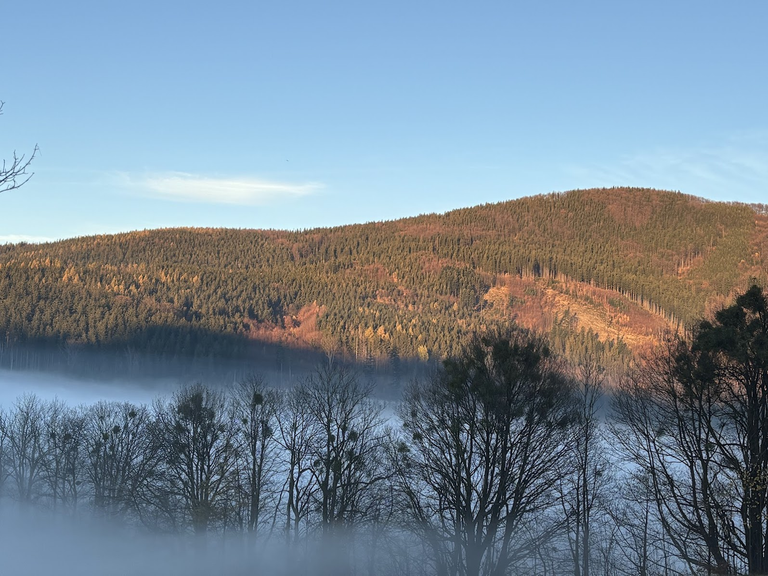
point(582, 489)
point(24, 428)
point(121, 458)
point(295, 438)
point(487, 440)
point(14, 173)
point(664, 428)
point(198, 437)
point(63, 440)
point(256, 410)
point(349, 443)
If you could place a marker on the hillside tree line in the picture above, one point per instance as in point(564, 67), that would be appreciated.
point(412, 288)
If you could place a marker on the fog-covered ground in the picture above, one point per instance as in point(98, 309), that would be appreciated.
point(75, 391)
point(40, 543)
point(87, 377)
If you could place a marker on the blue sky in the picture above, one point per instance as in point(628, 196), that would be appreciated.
point(298, 114)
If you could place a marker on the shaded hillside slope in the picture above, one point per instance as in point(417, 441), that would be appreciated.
point(600, 271)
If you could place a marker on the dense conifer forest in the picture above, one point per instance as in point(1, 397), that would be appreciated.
point(600, 272)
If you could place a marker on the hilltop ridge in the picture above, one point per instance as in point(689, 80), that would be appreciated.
point(600, 271)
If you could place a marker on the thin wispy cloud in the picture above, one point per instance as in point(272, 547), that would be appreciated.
point(736, 169)
point(16, 238)
point(184, 187)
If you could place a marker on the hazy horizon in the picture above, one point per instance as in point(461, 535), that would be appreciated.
point(17, 239)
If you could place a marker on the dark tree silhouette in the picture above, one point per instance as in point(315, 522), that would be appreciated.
point(488, 440)
point(695, 418)
point(120, 456)
point(732, 352)
point(199, 441)
point(23, 428)
point(590, 476)
point(256, 409)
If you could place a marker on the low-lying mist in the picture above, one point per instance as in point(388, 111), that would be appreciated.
point(329, 473)
point(93, 477)
point(74, 391)
point(119, 375)
point(36, 543)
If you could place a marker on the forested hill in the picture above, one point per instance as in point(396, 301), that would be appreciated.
point(602, 271)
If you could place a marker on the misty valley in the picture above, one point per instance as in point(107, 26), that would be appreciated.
point(572, 383)
point(501, 459)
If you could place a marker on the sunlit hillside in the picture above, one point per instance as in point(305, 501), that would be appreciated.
point(600, 271)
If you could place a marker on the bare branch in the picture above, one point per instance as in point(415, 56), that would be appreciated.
point(14, 174)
